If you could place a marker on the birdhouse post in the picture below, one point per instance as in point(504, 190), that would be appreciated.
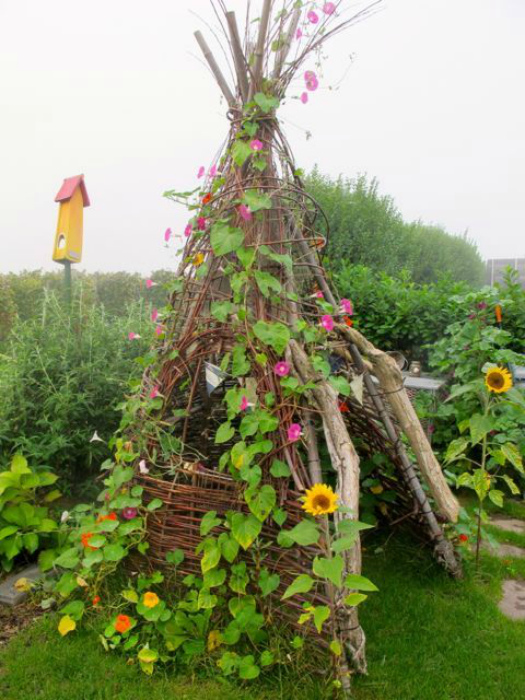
point(72, 198)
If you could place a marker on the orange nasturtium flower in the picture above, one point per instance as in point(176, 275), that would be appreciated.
point(207, 198)
point(96, 600)
point(110, 516)
point(122, 623)
point(84, 538)
point(150, 599)
point(348, 321)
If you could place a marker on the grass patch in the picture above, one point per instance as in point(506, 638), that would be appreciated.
point(429, 638)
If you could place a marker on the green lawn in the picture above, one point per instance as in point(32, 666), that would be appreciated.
point(429, 638)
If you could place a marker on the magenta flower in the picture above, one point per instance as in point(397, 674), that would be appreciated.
point(188, 230)
point(282, 369)
point(201, 172)
point(129, 513)
point(299, 33)
point(159, 330)
point(150, 284)
point(327, 322)
point(201, 223)
point(482, 305)
point(311, 80)
point(346, 306)
point(167, 234)
point(319, 295)
point(154, 393)
point(244, 403)
point(472, 317)
point(304, 98)
point(213, 171)
point(312, 17)
point(133, 336)
point(256, 145)
point(329, 8)
point(294, 432)
point(245, 212)
point(154, 315)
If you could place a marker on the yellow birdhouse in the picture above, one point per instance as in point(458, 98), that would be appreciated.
point(72, 197)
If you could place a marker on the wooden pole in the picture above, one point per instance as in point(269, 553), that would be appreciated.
point(68, 285)
point(282, 54)
point(219, 77)
point(238, 55)
point(259, 49)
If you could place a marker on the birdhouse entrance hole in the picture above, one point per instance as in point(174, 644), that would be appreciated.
point(61, 244)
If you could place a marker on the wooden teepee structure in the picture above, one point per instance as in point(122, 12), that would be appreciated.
point(250, 294)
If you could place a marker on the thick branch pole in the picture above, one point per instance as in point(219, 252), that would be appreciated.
point(283, 52)
point(238, 55)
point(391, 381)
point(219, 77)
point(314, 462)
point(260, 47)
point(345, 462)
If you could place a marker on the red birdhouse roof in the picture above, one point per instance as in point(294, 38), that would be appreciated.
point(68, 188)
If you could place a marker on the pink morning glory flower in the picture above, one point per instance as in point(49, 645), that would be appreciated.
point(294, 432)
point(304, 98)
point(244, 403)
point(282, 369)
point(213, 171)
point(245, 212)
point(150, 284)
point(311, 80)
point(129, 513)
point(313, 17)
point(154, 393)
point(133, 336)
point(327, 322)
point(201, 223)
point(154, 315)
point(201, 172)
point(256, 145)
point(329, 8)
point(319, 295)
point(188, 230)
point(299, 33)
point(346, 306)
point(159, 330)
point(167, 234)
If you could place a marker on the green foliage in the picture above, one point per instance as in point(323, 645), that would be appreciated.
point(367, 229)
point(61, 379)
point(25, 523)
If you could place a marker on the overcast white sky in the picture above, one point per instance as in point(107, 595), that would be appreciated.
point(433, 106)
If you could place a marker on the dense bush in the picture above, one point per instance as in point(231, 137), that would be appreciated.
point(366, 228)
point(62, 376)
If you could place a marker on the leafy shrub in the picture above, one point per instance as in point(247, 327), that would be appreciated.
point(366, 228)
point(62, 378)
point(25, 525)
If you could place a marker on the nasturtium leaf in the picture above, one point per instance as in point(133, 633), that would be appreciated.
point(248, 669)
point(114, 552)
point(321, 615)
point(225, 239)
point(68, 559)
point(331, 569)
point(208, 522)
point(359, 583)
point(302, 584)
point(304, 533)
point(276, 335)
point(74, 609)
point(279, 469)
point(66, 625)
point(245, 529)
point(224, 433)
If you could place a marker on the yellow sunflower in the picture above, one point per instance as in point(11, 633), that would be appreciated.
point(498, 380)
point(320, 500)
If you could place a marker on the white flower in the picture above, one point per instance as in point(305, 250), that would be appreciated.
point(96, 438)
point(143, 467)
point(64, 516)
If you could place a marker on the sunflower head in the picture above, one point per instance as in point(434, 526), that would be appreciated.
point(320, 500)
point(498, 380)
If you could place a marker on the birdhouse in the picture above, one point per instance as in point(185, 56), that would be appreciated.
point(72, 198)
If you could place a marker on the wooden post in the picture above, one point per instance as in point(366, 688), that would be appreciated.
point(68, 285)
point(219, 77)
